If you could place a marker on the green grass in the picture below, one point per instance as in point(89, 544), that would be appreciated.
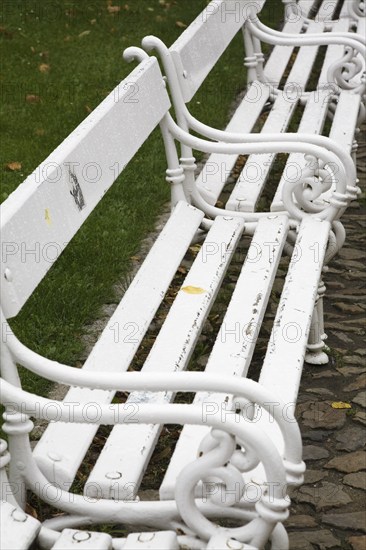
point(81, 44)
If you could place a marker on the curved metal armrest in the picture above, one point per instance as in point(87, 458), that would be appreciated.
point(280, 34)
point(321, 39)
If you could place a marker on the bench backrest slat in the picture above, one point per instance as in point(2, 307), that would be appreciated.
point(48, 208)
point(200, 46)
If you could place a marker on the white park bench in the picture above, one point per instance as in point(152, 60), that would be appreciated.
point(337, 100)
point(190, 59)
point(240, 446)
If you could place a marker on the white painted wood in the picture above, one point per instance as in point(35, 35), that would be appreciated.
point(306, 6)
point(301, 70)
point(312, 122)
point(160, 540)
point(282, 367)
point(280, 55)
point(72, 538)
point(326, 10)
point(119, 468)
point(254, 175)
point(234, 346)
point(42, 215)
point(18, 530)
point(216, 170)
point(200, 46)
point(56, 452)
point(345, 120)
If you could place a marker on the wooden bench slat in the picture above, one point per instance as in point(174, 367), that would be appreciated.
point(280, 55)
point(234, 346)
point(43, 214)
point(303, 65)
point(283, 364)
point(306, 6)
point(120, 467)
point(119, 342)
point(18, 530)
point(254, 175)
point(216, 170)
point(326, 10)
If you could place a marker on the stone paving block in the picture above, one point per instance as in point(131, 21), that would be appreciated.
point(354, 521)
point(360, 399)
point(305, 540)
point(358, 543)
point(351, 462)
point(324, 496)
point(356, 480)
point(351, 439)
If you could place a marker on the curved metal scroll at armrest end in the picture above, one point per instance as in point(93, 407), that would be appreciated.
point(134, 53)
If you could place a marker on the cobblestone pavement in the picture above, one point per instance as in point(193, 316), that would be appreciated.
point(329, 509)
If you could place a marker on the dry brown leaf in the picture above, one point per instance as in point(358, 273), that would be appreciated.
point(88, 109)
point(32, 98)
point(180, 24)
point(40, 132)
point(31, 511)
point(13, 166)
point(93, 21)
point(44, 68)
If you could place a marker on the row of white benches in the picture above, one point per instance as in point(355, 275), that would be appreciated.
point(240, 445)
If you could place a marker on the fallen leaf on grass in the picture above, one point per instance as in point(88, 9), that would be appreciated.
point(84, 33)
point(341, 405)
point(113, 9)
point(180, 24)
point(32, 98)
point(13, 166)
point(44, 68)
point(6, 33)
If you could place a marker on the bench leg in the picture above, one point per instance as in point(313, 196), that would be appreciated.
point(16, 426)
point(315, 353)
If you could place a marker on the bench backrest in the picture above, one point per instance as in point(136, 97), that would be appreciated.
point(200, 46)
point(47, 209)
